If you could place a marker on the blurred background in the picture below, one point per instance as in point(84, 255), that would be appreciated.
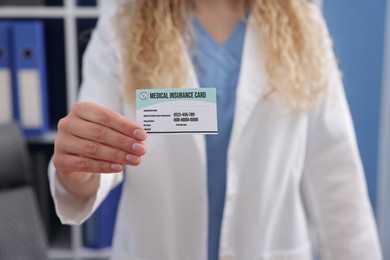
point(41, 47)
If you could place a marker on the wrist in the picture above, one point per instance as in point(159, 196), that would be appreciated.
point(81, 184)
point(76, 176)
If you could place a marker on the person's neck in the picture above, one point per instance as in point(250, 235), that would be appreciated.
point(218, 17)
point(214, 3)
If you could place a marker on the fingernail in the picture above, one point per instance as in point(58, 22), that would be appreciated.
point(116, 167)
point(139, 134)
point(139, 148)
point(132, 158)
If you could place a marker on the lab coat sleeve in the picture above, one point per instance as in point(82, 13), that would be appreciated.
point(100, 85)
point(333, 181)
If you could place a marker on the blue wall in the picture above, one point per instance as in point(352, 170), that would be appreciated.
point(357, 28)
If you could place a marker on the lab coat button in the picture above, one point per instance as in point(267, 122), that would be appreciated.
point(227, 256)
point(231, 195)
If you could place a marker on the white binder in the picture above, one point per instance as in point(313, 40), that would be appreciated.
point(6, 103)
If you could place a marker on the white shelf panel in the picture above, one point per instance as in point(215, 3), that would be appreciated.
point(48, 12)
point(60, 254)
point(95, 254)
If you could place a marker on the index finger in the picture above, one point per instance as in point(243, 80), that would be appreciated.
point(112, 119)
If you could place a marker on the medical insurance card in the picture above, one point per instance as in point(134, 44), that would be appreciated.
point(177, 111)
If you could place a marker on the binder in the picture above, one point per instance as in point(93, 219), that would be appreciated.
point(98, 230)
point(6, 95)
point(30, 77)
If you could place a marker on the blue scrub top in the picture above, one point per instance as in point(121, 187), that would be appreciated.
point(218, 66)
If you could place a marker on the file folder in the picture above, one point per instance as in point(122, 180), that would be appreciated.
point(6, 96)
point(99, 228)
point(30, 77)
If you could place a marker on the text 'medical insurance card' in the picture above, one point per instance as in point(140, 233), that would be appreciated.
point(177, 111)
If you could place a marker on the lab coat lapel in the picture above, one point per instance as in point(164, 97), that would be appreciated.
point(192, 82)
point(251, 85)
point(253, 79)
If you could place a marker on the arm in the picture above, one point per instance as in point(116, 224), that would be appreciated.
point(333, 181)
point(334, 185)
point(94, 138)
point(80, 184)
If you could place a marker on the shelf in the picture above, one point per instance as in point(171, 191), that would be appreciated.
point(96, 253)
point(48, 12)
point(60, 254)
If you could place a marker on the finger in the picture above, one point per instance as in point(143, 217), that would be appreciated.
point(109, 118)
point(104, 135)
point(74, 163)
point(97, 151)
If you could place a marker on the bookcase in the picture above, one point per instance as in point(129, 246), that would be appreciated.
point(68, 24)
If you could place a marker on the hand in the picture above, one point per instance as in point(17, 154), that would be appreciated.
point(93, 139)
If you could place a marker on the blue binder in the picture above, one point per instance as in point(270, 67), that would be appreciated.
point(99, 228)
point(6, 89)
point(30, 76)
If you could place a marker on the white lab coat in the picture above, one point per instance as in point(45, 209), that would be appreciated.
point(284, 169)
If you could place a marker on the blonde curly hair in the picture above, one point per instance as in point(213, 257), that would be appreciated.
point(293, 39)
